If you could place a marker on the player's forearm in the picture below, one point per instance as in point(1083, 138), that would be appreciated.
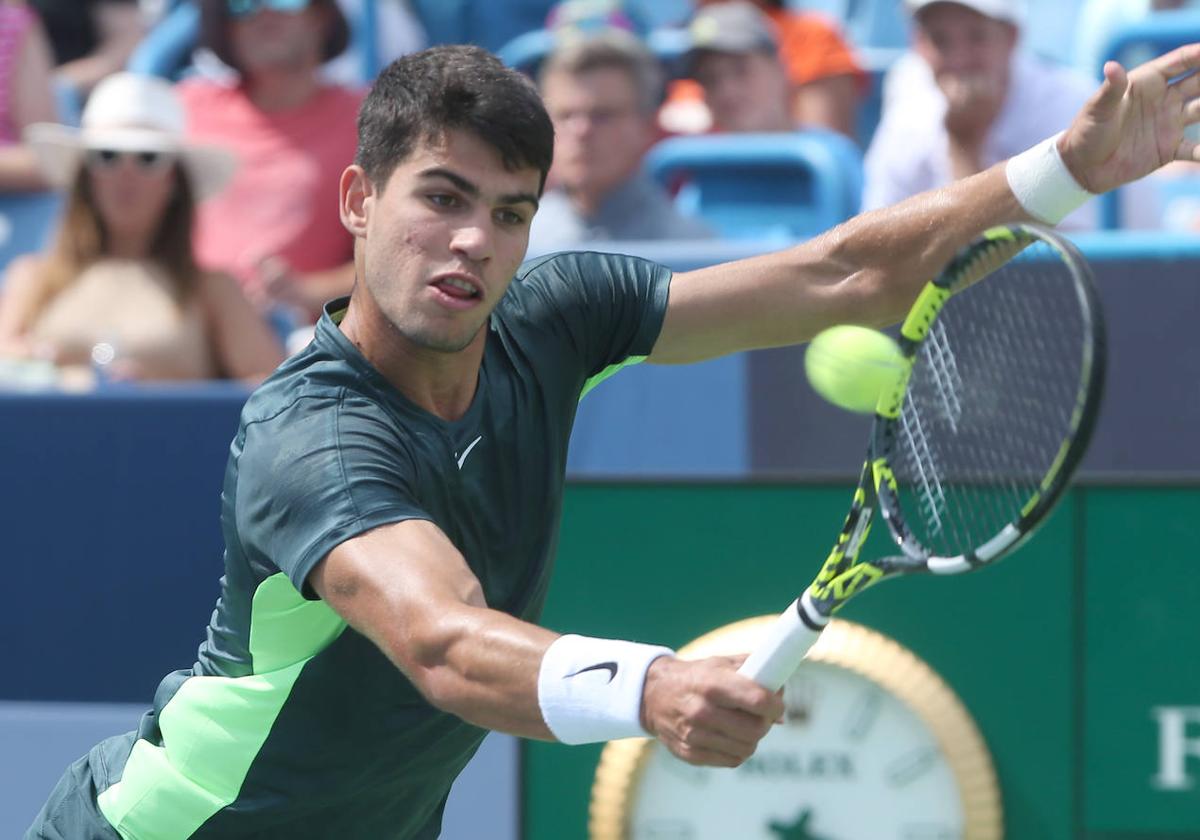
point(481, 665)
point(865, 271)
point(886, 256)
point(500, 673)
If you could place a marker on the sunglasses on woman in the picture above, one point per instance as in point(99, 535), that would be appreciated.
point(147, 161)
point(245, 8)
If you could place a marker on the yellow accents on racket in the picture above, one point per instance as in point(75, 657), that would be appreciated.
point(854, 367)
point(924, 311)
point(848, 584)
point(883, 474)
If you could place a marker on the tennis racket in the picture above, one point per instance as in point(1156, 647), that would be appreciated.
point(971, 450)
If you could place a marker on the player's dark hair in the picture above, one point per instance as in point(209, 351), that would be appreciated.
point(419, 97)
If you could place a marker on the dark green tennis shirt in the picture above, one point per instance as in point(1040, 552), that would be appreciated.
point(291, 724)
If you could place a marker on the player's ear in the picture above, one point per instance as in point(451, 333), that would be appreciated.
point(356, 194)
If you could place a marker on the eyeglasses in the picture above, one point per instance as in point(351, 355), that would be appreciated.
point(147, 161)
point(245, 8)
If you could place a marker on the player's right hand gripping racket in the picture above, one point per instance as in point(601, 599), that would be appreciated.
point(973, 448)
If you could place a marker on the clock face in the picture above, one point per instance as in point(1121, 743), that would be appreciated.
point(875, 746)
point(852, 761)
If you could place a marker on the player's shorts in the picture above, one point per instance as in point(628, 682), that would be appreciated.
point(71, 812)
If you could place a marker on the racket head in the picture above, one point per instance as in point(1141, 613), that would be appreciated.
point(975, 448)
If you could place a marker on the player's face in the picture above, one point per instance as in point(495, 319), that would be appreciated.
point(444, 238)
point(958, 42)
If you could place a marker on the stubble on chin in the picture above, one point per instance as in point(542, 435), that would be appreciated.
point(433, 340)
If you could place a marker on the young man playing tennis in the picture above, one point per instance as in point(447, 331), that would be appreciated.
point(392, 499)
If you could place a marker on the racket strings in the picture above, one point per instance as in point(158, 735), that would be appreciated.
point(992, 398)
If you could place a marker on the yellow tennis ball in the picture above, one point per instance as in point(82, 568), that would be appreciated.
point(851, 366)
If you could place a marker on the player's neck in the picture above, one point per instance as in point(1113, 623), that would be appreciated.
point(441, 383)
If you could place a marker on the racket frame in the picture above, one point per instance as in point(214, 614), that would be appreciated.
point(843, 575)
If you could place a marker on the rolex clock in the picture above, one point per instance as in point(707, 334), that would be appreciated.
point(875, 746)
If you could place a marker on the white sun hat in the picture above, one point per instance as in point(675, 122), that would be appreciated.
point(130, 112)
point(1009, 11)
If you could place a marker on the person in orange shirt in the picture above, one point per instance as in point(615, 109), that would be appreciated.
point(824, 79)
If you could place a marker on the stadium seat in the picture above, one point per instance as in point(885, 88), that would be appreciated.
point(526, 51)
point(787, 185)
point(488, 24)
point(167, 49)
point(26, 220)
point(1152, 36)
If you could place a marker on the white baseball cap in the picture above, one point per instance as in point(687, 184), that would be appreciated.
point(1009, 11)
point(133, 113)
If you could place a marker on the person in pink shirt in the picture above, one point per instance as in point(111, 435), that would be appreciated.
point(276, 226)
point(26, 93)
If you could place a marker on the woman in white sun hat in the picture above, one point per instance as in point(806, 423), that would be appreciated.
point(120, 286)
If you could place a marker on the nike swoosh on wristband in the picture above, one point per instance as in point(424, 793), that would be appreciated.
point(611, 667)
point(467, 451)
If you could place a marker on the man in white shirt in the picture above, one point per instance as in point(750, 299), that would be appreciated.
point(965, 98)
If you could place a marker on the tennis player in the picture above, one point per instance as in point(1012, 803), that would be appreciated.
point(392, 499)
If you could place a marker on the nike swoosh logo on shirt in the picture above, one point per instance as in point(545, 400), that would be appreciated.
point(611, 667)
point(467, 451)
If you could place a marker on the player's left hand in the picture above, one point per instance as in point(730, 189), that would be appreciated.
point(1135, 122)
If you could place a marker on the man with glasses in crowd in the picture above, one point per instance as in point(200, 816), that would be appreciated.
point(602, 92)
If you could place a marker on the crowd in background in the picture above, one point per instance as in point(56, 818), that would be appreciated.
point(199, 234)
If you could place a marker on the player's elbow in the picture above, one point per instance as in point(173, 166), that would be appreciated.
point(430, 658)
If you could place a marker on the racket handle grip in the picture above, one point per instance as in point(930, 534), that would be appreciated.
point(783, 646)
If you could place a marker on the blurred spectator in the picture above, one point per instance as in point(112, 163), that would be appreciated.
point(26, 93)
point(90, 38)
point(824, 80)
point(735, 58)
point(602, 93)
point(276, 226)
point(396, 31)
point(120, 288)
point(964, 99)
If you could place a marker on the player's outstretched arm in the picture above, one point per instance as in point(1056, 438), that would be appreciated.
point(408, 589)
point(868, 270)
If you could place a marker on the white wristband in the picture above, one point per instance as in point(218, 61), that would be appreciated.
point(591, 689)
point(1043, 184)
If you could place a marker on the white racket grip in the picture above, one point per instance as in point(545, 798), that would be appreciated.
point(783, 646)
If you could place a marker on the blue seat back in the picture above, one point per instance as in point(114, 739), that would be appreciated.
point(166, 50)
point(26, 222)
point(790, 184)
point(489, 24)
